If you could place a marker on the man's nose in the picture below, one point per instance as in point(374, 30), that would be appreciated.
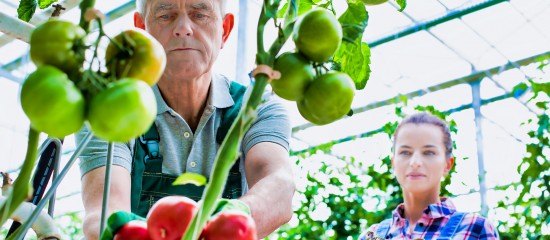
point(183, 27)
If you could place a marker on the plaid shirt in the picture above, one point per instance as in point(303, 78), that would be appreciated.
point(431, 223)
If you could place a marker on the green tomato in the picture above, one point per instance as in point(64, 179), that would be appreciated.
point(123, 111)
point(296, 75)
point(58, 43)
point(328, 98)
point(52, 102)
point(374, 2)
point(318, 34)
point(141, 57)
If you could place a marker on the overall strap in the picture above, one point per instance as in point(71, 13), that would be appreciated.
point(383, 228)
point(450, 229)
point(230, 114)
point(146, 150)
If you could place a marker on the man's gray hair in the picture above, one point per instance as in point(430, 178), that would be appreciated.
point(140, 6)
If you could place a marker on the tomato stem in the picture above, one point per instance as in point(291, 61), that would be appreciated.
point(84, 5)
point(229, 149)
point(21, 189)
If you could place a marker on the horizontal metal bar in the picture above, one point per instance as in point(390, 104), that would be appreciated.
point(428, 24)
point(467, 79)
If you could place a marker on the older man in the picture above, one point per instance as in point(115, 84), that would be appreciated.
point(192, 102)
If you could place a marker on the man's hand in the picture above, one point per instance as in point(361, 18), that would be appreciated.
point(115, 222)
point(92, 197)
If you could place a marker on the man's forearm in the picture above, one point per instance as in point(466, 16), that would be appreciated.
point(270, 201)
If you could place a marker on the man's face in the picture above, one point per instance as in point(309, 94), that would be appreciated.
point(191, 31)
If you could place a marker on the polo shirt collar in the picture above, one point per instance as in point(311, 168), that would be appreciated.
point(219, 96)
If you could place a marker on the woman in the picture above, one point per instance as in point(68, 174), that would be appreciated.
point(422, 157)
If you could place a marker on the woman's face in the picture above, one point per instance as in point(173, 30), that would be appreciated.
point(419, 159)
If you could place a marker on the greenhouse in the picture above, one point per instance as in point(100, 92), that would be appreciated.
point(480, 66)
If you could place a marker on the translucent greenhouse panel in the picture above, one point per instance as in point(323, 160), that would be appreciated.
point(416, 61)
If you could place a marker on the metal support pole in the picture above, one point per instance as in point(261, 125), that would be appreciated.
point(476, 105)
point(106, 187)
point(53, 188)
point(240, 70)
point(58, 153)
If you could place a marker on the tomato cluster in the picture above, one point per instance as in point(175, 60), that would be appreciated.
point(63, 93)
point(170, 217)
point(322, 96)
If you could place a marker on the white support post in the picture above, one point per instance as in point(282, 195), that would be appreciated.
point(15, 27)
point(476, 106)
point(241, 42)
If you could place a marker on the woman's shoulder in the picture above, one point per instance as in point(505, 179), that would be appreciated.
point(474, 224)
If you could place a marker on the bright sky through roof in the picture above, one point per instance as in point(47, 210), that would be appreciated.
point(506, 32)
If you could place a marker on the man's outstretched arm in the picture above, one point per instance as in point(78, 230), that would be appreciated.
point(271, 182)
point(92, 197)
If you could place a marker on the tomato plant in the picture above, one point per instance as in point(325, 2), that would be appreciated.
point(52, 102)
point(296, 74)
point(58, 43)
point(136, 54)
point(230, 225)
point(327, 98)
point(133, 230)
point(123, 111)
point(317, 34)
point(170, 216)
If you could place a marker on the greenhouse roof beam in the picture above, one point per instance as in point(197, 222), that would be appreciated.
point(381, 129)
point(110, 16)
point(467, 79)
point(428, 24)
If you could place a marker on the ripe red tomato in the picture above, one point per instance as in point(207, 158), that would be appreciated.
point(52, 102)
point(123, 111)
point(143, 59)
point(133, 230)
point(170, 217)
point(230, 225)
point(318, 34)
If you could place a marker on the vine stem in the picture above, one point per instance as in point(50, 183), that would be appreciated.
point(84, 5)
point(21, 188)
point(229, 149)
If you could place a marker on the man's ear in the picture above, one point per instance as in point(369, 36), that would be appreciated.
point(228, 22)
point(139, 22)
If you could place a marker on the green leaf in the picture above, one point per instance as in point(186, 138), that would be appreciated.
point(26, 9)
point(402, 4)
point(354, 59)
point(190, 178)
point(354, 20)
point(45, 3)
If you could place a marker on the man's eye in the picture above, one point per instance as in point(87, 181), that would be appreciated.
point(405, 153)
point(165, 17)
point(200, 16)
point(429, 153)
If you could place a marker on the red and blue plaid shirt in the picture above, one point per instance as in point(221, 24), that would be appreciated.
point(430, 225)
